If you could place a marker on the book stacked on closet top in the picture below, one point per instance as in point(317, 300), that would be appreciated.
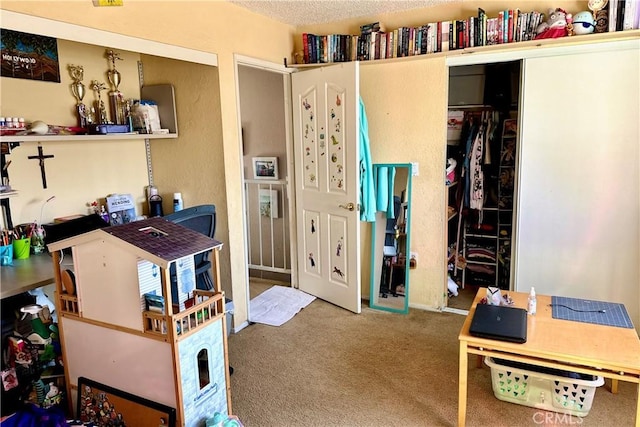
point(374, 42)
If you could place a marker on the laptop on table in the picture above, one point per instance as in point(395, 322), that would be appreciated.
point(499, 322)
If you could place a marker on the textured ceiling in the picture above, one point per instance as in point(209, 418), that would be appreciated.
point(306, 12)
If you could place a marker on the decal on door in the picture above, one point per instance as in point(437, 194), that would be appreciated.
point(312, 242)
point(335, 116)
point(337, 237)
point(310, 144)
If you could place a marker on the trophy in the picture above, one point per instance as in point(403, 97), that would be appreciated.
point(116, 101)
point(78, 90)
point(101, 111)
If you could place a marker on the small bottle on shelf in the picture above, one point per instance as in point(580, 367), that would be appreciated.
point(532, 302)
point(177, 202)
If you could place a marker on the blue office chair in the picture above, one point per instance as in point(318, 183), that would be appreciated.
point(202, 219)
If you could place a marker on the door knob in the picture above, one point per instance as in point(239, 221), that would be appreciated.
point(349, 206)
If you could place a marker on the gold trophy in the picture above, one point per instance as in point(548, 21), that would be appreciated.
point(78, 90)
point(116, 101)
point(101, 111)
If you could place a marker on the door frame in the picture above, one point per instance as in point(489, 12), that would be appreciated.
point(522, 56)
point(272, 67)
point(491, 58)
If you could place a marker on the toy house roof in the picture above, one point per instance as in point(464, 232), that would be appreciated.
point(155, 239)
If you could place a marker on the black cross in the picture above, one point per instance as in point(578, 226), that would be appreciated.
point(41, 157)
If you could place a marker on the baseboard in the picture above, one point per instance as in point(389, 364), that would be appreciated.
point(424, 307)
point(268, 281)
point(237, 329)
point(455, 311)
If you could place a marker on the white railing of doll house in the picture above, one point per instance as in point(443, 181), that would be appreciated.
point(208, 307)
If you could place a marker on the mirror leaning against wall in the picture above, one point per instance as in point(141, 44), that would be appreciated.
point(390, 238)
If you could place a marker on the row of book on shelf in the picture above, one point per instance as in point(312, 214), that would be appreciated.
point(374, 42)
point(623, 15)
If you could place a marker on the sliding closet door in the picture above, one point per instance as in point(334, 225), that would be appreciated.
point(578, 220)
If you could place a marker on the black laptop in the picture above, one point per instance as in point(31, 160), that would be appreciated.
point(498, 322)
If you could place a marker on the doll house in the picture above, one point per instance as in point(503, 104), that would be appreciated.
point(121, 326)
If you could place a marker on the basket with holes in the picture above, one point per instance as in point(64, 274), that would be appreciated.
point(544, 388)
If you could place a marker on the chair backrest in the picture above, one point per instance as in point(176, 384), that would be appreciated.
point(200, 218)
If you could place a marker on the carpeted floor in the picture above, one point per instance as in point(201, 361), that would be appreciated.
point(464, 298)
point(330, 367)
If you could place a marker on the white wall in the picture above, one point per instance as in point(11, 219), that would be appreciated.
point(262, 110)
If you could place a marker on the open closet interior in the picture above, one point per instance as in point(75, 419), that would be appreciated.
point(481, 167)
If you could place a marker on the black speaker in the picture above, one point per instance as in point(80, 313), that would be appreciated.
point(73, 227)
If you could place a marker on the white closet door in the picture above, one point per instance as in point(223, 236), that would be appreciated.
point(578, 217)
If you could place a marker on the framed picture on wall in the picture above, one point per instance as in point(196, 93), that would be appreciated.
point(265, 168)
point(268, 203)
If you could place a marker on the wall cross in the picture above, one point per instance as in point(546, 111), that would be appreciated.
point(41, 157)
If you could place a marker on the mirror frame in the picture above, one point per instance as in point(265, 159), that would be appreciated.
point(374, 290)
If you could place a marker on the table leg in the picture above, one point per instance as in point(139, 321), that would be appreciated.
point(462, 384)
point(638, 408)
point(614, 386)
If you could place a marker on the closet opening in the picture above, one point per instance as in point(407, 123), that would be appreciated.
point(481, 170)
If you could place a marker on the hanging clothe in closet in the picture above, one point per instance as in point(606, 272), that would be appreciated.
point(476, 193)
point(469, 131)
point(477, 157)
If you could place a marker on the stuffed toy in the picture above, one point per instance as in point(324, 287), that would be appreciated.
point(583, 23)
point(555, 25)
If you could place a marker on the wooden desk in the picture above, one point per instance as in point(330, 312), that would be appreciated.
point(26, 274)
point(607, 351)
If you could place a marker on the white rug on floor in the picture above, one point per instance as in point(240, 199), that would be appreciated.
point(277, 305)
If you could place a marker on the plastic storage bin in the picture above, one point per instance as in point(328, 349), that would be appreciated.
point(543, 388)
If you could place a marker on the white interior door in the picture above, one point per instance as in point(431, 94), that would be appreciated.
point(326, 150)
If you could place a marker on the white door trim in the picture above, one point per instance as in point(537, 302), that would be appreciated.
point(473, 58)
point(247, 61)
point(260, 63)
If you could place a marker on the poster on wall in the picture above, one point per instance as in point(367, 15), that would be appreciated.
point(269, 203)
point(29, 56)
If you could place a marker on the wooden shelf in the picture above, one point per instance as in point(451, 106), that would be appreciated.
point(451, 213)
point(513, 46)
point(109, 137)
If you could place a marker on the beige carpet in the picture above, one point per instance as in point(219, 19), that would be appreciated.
point(464, 298)
point(330, 367)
